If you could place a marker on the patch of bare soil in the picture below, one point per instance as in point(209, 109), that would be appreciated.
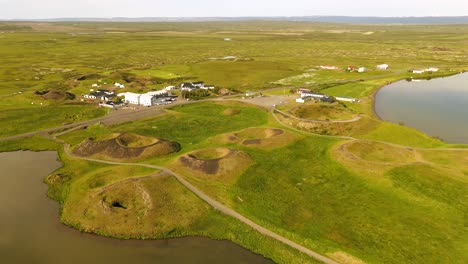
point(252, 142)
point(126, 146)
point(264, 138)
point(231, 111)
point(55, 95)
point(268, 133)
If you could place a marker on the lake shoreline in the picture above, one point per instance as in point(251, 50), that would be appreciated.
point(414, 99)
point(52, 220)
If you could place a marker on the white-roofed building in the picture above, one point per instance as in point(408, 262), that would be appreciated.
point(131, 98)
point(383, 67)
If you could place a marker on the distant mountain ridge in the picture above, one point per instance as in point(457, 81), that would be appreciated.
point(322, 19)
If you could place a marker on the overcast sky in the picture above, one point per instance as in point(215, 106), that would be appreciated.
point(202, 8)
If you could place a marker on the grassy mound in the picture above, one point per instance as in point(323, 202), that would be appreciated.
point(379, 152)
point(221, 164)
point(319, 111)
point(142, 207)
point(126, 146)
point(265, 138)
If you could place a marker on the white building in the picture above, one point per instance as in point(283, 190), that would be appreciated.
point(346, 99)
point(131, 98)
point(207, 87)
point(313, 95)
point(383, 67)
point(362, 69)
point(432, 69)
point(418, 71)
point(147, 99)
point(119, 85)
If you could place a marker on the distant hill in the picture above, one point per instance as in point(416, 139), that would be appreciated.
point(323, 19)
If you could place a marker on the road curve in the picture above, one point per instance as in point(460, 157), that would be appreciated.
point(213, 203)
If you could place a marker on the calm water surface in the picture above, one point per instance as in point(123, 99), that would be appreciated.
point(30, 231)
point(438, 107)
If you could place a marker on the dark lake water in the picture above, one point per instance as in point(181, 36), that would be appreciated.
point(30, 231)
point(438, 107)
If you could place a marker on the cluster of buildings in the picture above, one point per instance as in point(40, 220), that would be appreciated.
point(192, 86)
point(354, 68)
point(146, 99)
point(118, 85)
point(308, 95)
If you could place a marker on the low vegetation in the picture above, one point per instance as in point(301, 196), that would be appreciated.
point(377, 198)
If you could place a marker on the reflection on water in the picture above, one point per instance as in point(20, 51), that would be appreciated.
point(438, 107)
point(30, 231)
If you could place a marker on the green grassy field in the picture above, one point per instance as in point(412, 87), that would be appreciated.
point(301, 192)
point(374, 203)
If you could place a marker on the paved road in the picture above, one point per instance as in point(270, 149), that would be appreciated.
point(215, 204)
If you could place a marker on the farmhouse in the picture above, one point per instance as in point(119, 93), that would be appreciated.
point(208, 87)
point(187, 87)
point(362, 69)
point(383, 67)
point(351, 68)
point(327, 67)
point(196, 85)
point(418, 71)
point(432, 69)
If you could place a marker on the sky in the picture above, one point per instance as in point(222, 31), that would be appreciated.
point(33, 9)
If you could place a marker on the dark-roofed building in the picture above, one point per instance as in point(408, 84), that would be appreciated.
point(104, 95)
